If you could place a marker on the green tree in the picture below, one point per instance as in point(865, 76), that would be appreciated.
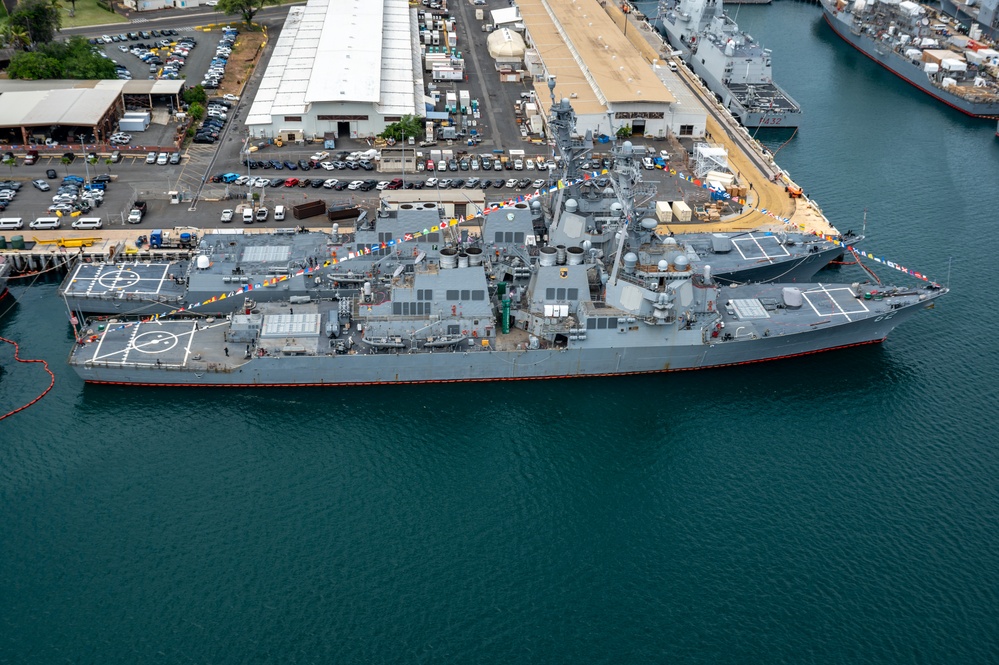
point(196, 111)
point(15, 36)
point(66, 162)
point(34, 66)
point(246, 8)
point(10, 162)
point(409, 126)
point(196, 94)
point(41, 19)
point(624, 132)
point(74, 59)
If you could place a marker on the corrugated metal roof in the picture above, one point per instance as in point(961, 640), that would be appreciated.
point(581, 45)
point(328, 51)
point(75, 106)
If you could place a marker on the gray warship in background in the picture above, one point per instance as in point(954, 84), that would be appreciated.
point(615, 300)
point(5, 269)
point(906, 38)
point(734, 66)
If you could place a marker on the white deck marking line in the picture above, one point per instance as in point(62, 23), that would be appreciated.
point(159, 286)
point(187, 349)
point(100, 341)
point(823, 289)
point(107, 331)
point(131, 341)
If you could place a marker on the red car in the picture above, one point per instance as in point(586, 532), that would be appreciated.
point(396, 183)
point(291, 182)
point(430, 165)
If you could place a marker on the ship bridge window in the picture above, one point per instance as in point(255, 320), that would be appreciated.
point(550, 293)
point(560, 294)
point(452, 294)
point(410, 308)
point(591, 324)
point(478, 294)
point(384, 237)
point(424, 294)
point(572, 294)
point(466, 294)
point(601, 324)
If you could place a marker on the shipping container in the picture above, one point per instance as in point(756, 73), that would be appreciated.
point(664, 213)
point(308, 209)
point(681, 211)
point(342, 211)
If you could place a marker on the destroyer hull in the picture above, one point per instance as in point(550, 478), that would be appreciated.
point(686, 353)
point(785, 113)
point(800, 270)
point(906, 70)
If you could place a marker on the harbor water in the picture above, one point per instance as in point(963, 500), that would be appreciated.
point(838, 508)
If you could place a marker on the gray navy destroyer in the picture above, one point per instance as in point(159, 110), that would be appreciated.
point(611, 296)
point(734, 66)
point(909, 40)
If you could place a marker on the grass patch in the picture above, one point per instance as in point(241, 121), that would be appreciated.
point(88, 13)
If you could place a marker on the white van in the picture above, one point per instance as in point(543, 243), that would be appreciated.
point(248, 215)
point(11, 223)
point(45, 223)
point(88, 223)
point(278, 213)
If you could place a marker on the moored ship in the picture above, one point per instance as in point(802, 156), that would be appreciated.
point(907, 39)
point(567, 311)
point(733, 65)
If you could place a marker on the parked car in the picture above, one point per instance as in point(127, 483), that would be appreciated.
point(262, 214)
point(227, 215)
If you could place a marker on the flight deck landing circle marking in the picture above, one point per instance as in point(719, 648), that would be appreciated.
point(155, 341)
point(118, 279)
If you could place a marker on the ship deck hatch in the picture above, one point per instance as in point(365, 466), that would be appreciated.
point(290, 325)
point(266, 254)
point(749, 308)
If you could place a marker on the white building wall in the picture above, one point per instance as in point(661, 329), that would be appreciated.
point(323, 117)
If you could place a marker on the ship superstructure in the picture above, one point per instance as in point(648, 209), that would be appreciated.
point(733, 65)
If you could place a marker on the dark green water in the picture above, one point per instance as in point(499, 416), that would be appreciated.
point(834, 509)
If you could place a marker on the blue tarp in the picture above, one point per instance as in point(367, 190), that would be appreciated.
point(437, 115)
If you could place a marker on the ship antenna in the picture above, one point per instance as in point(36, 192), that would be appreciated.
point(864, 230)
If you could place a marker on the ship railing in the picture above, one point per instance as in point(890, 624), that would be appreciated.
point(126, 297)
point(213, 367)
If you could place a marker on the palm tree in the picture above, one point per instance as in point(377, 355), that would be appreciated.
point(15, 36)
point(66, 162)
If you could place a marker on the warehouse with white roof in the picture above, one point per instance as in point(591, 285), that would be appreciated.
point(340, 68)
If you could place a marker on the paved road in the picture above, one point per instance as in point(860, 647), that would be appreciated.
point(137, 180)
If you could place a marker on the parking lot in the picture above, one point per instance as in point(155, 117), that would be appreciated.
point(203, 201)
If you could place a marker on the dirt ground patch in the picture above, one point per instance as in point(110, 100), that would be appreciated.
point(244, 58)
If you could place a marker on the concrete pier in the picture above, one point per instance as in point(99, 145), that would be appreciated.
point(746, 156)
